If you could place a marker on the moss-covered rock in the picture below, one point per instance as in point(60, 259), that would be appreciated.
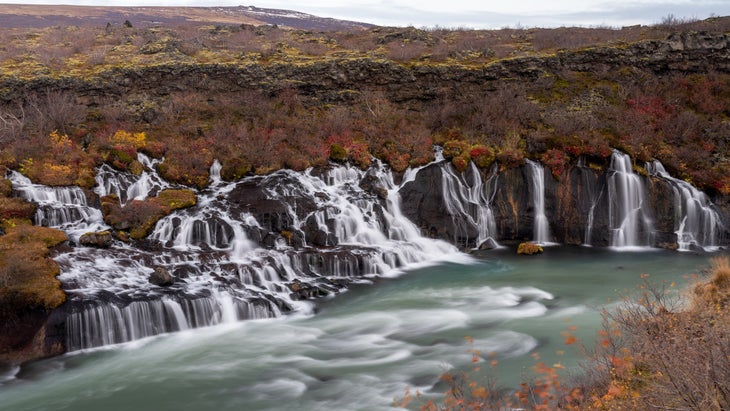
point(102, 239)
point(172, 199)
point(139, 217)
point(13, 208)
point(338, 153)
point(529, 249)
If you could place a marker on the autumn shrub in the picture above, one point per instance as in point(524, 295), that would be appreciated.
point(6, 187)
point(556, 160)
point(477, 388)
point(666, 349)
point(510, 158)
point(455, 148)
point(234, 168)
point(460, 163)
point(187, 162)
point(173, 199)
point(13, 207)
point(27, 273)
point(481, 155)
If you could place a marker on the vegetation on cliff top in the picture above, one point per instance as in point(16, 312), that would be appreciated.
point(58, 133)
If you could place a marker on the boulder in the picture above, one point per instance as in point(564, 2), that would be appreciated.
point(161, 277)
point(101, 239)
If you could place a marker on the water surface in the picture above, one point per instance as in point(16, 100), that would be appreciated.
point(362, 348)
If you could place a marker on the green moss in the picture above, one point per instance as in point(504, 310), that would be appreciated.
point(175, 199)
point(235, 169)
point(338, 153)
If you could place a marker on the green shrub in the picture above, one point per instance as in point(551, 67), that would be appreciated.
point(338, 153)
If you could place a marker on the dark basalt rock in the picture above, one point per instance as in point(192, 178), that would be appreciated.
point(161, 277)
point(101, 239)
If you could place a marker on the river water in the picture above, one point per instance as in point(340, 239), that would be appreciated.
point(362, 348)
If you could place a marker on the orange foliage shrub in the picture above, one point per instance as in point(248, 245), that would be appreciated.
point(27, 274)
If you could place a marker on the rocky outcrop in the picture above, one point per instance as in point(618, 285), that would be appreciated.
point(102, 239)
point(326, 80)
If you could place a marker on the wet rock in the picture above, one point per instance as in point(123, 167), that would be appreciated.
point(101, 239)
point(122, 236)
point(372, 184)
point(304, 291)
point(161, 277)
point(489, 244)
point(669, 246)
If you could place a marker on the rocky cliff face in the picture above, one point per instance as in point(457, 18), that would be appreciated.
point(583, 207)
point(326, 80)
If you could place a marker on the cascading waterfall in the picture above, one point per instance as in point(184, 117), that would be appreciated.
point(537, 193)
point(253, 248)
point(696, 222)
point(630, 227)
point(225, 267)
point(64, 208)
point(127, 186)
point(467, 199)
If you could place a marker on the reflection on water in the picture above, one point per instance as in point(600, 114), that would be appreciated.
point(362, 348)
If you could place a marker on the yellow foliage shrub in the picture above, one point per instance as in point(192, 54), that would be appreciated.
point(137, 140)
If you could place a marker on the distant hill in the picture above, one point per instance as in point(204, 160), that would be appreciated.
point(15, 16)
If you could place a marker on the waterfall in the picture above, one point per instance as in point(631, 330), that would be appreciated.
point(541, 228)
point(64, 208)
point(696, 222)
point(630, 227)
point(248, 249)
point(108, 324)
point(593, 195)
point(126, 185)
point(467, 198)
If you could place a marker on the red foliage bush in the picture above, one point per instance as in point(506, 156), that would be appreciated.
point(481, 155)
point(556, 160)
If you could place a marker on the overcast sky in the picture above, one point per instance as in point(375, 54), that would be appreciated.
point(466, 13)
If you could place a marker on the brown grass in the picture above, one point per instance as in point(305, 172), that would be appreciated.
point(27, 273)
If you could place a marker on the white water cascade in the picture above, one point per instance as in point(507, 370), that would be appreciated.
point(65, 208)
point(249, 249)
point(630, 227)
point(467, 198)
point(127, 186)
point(541, 226)
point(696, 222)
